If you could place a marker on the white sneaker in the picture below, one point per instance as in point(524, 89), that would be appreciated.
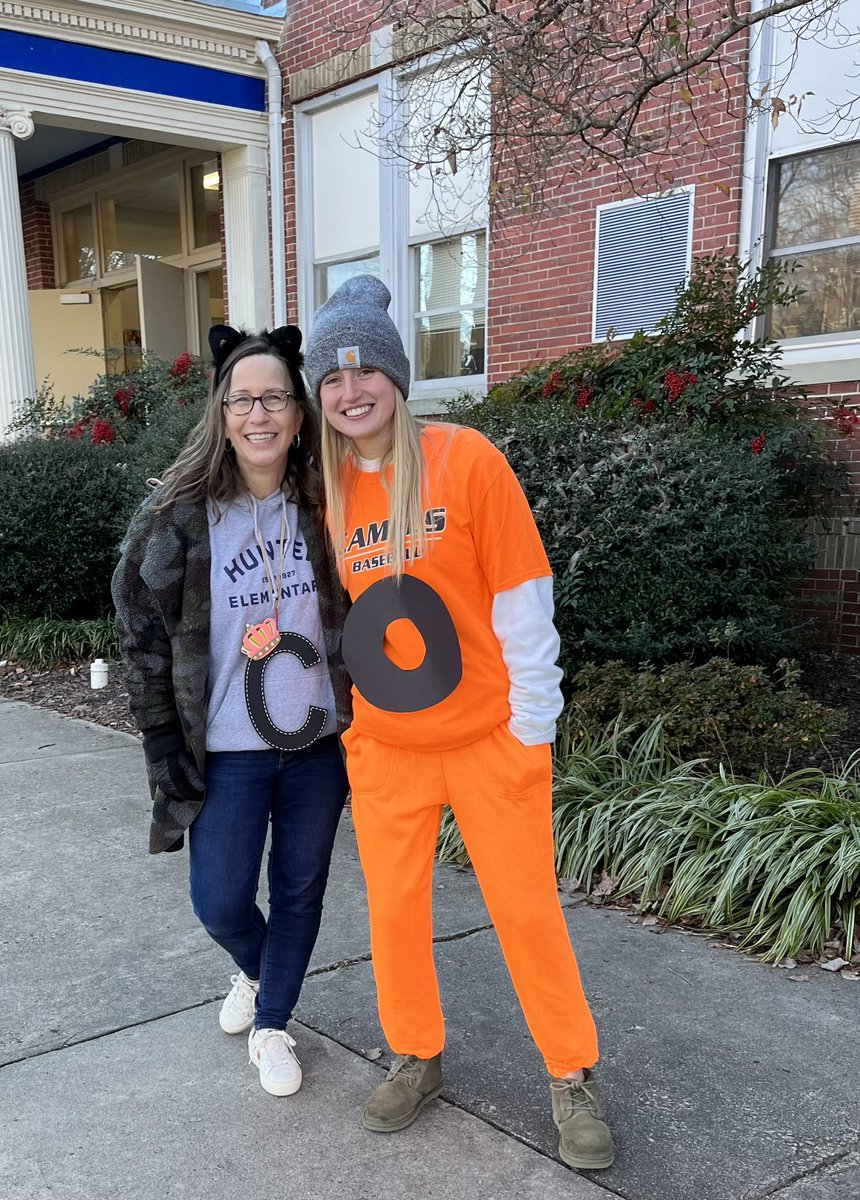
point(271, 1050)
point(237, 1011)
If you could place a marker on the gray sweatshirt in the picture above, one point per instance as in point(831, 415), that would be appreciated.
point(242, 595)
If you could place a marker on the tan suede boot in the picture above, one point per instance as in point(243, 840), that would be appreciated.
point(408, 1086)
point(584, 1139)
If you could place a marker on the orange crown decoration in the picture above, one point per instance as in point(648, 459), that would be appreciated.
point(260, 639)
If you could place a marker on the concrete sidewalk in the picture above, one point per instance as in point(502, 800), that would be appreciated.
point(726, 1079)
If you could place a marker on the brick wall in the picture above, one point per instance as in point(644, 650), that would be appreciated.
point(541, 264)
point(222, 237)
point(38, 240)
point(541, 271)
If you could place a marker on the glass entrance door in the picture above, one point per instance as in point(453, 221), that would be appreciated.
point(122, 328)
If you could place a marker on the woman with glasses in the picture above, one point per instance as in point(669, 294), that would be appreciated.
point(230, 615)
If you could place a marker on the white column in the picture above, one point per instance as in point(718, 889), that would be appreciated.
point(17, 368)
point(246, 233)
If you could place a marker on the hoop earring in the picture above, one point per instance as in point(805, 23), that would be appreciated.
point(297, 441)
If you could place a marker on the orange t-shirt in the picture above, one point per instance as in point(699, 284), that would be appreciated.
point(481, 540)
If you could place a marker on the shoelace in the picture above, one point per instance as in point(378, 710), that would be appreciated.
point(241, 982)
point(578, 1093)
point(407, 1066)
point(277, 1045)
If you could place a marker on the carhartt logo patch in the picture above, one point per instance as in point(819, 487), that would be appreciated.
point(348, 356)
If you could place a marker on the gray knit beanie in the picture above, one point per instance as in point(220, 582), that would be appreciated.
point(353, 329)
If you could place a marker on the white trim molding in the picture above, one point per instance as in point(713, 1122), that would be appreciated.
point(126, 113)
point(189, 32)
point(17, 364)
point(809, 361)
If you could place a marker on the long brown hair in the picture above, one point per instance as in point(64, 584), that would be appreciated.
point(206, 468)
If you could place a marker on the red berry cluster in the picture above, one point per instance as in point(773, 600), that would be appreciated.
point(583, 396)
point(123, 398)
point(677, 382)
point(179, 368)
point(748, 312)
point(103, 433)
point(78, 430)
point(555, 383)
point(847, 420)
point(758, 444)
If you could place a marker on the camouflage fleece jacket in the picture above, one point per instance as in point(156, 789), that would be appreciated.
point(161, 594)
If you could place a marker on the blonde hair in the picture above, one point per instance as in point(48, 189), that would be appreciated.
point(403, 475)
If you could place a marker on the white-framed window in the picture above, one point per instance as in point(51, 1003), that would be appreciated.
point(450, 314)
point(814, 222)
point(643, 255)
point(343, 208)
point(168, 210)
point(791, 162)
point(361, 209)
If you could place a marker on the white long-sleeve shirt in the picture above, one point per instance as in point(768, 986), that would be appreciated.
point(522, 622)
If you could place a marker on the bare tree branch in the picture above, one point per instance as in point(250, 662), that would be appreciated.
point(575, 85)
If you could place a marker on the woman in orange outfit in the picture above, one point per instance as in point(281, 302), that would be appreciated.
point(452, 651)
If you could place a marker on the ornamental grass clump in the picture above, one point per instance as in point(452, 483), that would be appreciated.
point(43, 642)
point(774, 862)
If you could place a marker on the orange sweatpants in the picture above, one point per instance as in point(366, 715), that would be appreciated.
point(500, 792)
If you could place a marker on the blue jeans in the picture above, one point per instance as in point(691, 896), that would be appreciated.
point(303, 794)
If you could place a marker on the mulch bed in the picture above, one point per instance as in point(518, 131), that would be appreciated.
point(834, 679)
point(66, 689)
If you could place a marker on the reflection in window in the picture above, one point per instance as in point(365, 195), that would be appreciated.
point(450, 317)
point(816, 224)
point(78, 242)
point(121, 313)
point(329, 276)
point(142, 220)
point(206, 203)
point(210, 302)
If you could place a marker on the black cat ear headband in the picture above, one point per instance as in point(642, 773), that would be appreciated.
point(285, 341)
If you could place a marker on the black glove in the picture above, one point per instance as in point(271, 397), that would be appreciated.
point(170, 766)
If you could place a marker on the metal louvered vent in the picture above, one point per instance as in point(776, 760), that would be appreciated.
point(643, 254)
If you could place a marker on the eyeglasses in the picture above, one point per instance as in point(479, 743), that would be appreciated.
point(275, 400)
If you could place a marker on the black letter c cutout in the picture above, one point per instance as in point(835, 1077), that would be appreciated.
point(255, 697)
point(379, 680)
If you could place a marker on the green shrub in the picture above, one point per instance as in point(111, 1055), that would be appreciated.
point(43, 642)
point(69, 485)
point(120, 408)
point(775, 863)
point(64, 506)
point(157, 445)
point(694, 372)
point(657, 536)
point(695, 366)
point(745, 716)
